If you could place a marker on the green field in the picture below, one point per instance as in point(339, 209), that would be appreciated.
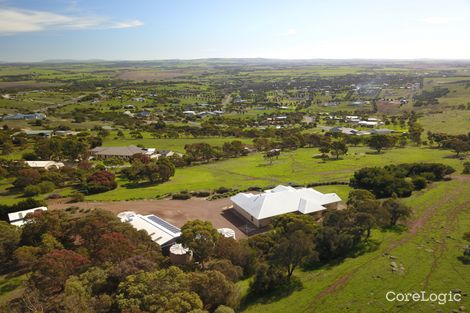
point(296, 166)
point(454, 122)
point(429, 257)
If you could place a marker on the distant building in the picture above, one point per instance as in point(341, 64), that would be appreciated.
point(40, 133)
point(119, 152)
point(343, 130)
point(20, 116)
point(17, 218)
point(46, 165)
point(162, 232)
point(259, 209)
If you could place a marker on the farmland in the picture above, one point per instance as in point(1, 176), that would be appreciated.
point(178, 139)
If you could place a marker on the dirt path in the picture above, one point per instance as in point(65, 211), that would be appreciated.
point(177, 212)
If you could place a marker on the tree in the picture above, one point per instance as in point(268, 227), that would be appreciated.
point(380, 142)
point(100, 181)
point(230, 271)
point(267, 279)
point(325, 148)
point(338, 148)
point(200, 152)
point(396, 209)
point(365, 221)
point(26, 257)
point(76, 297)
point(200, 237)
point(9, 240)
point(214, 289)
point(166, 290)
point(53, 269)
point(415, 130)
point(27, 177)
point(457, 145)
point(114, 247)
point(292, 250)
point(155, 171)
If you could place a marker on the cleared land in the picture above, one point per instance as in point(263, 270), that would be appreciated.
point(297, 166)
point(178, 212)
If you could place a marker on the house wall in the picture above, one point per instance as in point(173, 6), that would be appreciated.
point(332, 206)
point(246, 215)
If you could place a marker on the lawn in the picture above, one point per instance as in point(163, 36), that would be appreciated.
point(429, 257)
point(166, 144)
point(295, 167)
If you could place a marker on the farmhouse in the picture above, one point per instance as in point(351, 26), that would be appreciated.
point(46, 165)
point(118, 152)
point(17, 218)
point(158, 229)
point(259, 209)
point(343, 130)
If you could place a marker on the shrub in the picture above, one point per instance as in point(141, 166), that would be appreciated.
point(32, 190)
point(46, 186)
point(419, 182)
point(181, 196)
point(466, 168)
point(101, 181)
point(201, 194)
point(222, 190)
point(77, 197)
point(54, 196)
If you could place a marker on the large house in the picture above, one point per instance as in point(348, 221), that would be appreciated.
point(259, 209)
point(118, 152)
point(158, 229)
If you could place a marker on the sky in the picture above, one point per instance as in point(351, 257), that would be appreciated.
point(36, 30)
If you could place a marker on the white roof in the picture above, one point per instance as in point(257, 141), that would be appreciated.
point(158, 229)
point(284, 199)
point(368, 123)
point(17, 218)
point(44, 164)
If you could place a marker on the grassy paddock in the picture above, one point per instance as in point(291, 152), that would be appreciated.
point(296, 167)
point(429, 257)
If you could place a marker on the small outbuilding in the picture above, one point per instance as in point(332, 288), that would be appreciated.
point(17, 218)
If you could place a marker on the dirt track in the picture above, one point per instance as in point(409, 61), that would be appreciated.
point(176, 212)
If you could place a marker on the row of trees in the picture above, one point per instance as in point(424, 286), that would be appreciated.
point(393, 179)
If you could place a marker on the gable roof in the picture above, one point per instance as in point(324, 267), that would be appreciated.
point(282, 200)
point(117, 151)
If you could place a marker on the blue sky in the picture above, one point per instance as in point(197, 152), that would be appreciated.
point(32, 30)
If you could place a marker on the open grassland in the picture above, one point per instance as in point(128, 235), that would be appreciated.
point(296, 167)
point(167, 144)
point(451, 122)
point(428, 252)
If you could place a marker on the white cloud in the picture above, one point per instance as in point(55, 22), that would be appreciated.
point(441, 20)
point(130, 24)
point(13, 20)
point(289, 32)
